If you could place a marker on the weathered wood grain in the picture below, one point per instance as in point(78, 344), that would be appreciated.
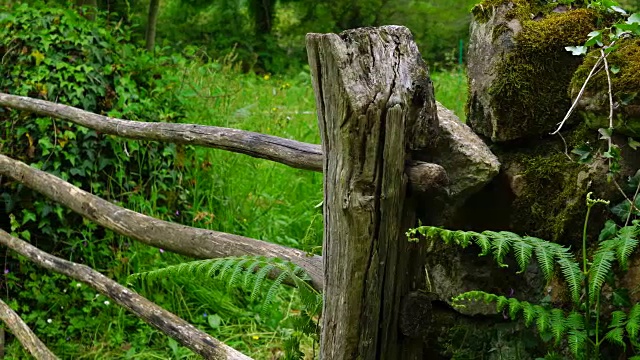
point(289, 152)
point(193, 242)
point(22, 332)
point(375, 104)
point(183, 332)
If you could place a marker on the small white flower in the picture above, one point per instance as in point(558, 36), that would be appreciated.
point(78, 285)
point(106, 302)
point(49, 321)
point(97, 295)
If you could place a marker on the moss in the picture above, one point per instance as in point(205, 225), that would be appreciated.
point(552, 202)
point(532, 79)
point(625, 87)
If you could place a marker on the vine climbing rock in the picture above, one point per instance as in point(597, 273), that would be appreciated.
point(519, 71)
point(594, 104)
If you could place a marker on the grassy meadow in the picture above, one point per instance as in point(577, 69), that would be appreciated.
point(227, 192)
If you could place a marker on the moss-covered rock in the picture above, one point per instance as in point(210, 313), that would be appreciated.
point(625, 85)
point(519, 71)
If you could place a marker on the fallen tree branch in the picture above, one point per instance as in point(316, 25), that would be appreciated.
point(170, 324)
point(289, 152)
point(22, 332)
point(193, 242)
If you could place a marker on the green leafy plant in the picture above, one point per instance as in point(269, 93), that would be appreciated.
point(252, 273)
point(581, 327)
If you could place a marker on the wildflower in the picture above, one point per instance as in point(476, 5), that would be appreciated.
point(255, 337)
point(177, 212)
point(161, 250)
point(6, 271)
point(49, 321)
point(204, 315)
point(267, 77)
point(78, 285)
point(106, 302)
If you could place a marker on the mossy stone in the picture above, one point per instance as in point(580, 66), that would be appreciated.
point(519, 84)
point(594, 105)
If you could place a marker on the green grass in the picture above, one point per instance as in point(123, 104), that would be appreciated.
point(228, 192)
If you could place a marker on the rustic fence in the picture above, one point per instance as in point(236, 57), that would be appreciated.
point(377, 117)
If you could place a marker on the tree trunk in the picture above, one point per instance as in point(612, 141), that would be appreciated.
point(92, 8)
point(375, 104)
point(154, 7)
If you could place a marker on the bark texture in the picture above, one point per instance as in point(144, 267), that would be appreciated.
point(289, 152)
point(186, 334)
point(152, 22)
point(194, 242)
point(375, 103)
point(22, 332)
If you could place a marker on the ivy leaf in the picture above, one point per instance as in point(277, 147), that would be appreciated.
point(595, 37)
point(605, 134)
point(584, 151)
point(620, 298)
point(615, 69)
point(38, 56)
point(576, 50)
point(618, 10)
point(634, 18)
point(633, 144)
point(608, 231)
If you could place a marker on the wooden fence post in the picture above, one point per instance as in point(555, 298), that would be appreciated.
point(375, 104)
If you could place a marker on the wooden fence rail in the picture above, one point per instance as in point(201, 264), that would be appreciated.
point(375, 108)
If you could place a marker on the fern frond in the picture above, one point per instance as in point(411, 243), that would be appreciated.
point(627, 243)
point(618, 319)
point(502, 245)
point(616, 336)
point(528, 312)
point(598, 271)
point(633, 322)
point(543, 318)
point(545, 256)
point(483, 242)
point(572, 275)
point(575, 321)
point(259, 279)
point(523, 251)
point(514, 307)
point(273, 289)
point(558, 324)
point(577, 342)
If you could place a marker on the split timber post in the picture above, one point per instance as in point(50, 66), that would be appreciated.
point(376, 110)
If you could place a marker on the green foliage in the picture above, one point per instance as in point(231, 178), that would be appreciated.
point(616, 245)
point(57, 55)
point(252, 274)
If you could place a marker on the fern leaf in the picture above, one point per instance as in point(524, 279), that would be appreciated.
point(633, 324)
point(273, 290)
point(544, 255)
point(239, 268)
point(501, 302)
point(543, 318)
point(602, 261)
point(572, 275)
point(528, 312)
point(558, 324)
point(577, 341)
point(252, 268)
point(626, 245)
point(514, 307)
point(575, 321)
point(618, 319)
point(616, 336)
point(523, 251)
point(483, 242)
point(261, 275)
